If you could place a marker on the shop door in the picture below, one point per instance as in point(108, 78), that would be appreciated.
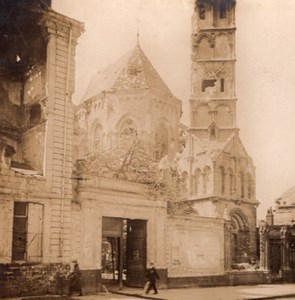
point(136, 252)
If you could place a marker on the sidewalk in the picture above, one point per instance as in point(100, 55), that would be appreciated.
point(277, 291)
point(280, 291)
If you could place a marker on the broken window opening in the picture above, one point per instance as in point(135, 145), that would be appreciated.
point(222, 10)
point(208, 83)
point(35, 114)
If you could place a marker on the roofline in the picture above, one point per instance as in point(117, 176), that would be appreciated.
point(71, 22)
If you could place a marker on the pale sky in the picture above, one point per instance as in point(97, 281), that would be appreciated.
point(265, 69)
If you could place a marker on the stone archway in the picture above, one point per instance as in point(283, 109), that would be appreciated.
point(240, 237)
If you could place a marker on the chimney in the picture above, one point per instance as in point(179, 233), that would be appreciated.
point(269, 217)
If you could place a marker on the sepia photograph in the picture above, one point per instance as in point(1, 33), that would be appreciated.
point(147, 149)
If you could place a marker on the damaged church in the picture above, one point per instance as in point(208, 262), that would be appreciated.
point(118, 180)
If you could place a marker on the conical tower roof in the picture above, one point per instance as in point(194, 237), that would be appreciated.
point(131, 71)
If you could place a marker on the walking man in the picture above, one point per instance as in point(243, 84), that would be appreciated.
point(152, 276)
point(75, 281)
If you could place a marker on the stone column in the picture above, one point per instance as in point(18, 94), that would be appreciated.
point(227, 245)
point(90, 261)
point(158, 241)
point(264, 242)
point(285, 248)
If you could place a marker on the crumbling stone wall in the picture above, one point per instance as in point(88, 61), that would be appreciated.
point(18, 280)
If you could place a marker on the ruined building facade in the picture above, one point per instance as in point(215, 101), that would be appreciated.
point(118, 181)
point(36, 130)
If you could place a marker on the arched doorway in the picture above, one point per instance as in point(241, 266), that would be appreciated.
point(240, 237)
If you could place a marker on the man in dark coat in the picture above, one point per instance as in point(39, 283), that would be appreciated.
point(152, 276)
point(75, 281)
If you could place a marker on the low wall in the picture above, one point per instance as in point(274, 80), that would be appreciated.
point(248, 277)
point(23, 280)
point(289, 276)
point(195, 247)
point(228, 279)
point(18, 280)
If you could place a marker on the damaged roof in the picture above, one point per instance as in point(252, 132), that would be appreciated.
point(131, 71)
point(288, 197)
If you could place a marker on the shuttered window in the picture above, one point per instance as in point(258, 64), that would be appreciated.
point(27, 232)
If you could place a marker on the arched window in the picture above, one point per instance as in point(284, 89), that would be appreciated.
point(161, 141)
point(222, 180)
point(128, 128)
point(213, 134)
point(223, 118)
point(204, 49)
point(222, 48)
point(184, 179)
point(242, 185)
point(206, 179)
point(196, 185)
point(240, 237)
point(201, 116)
point(35, 114)
point(128, 131)
point(231, 181)
point(222, 10)
point(97, 137)
point(249, 186)
point(202, 11)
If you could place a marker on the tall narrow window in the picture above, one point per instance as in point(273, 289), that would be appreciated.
point(222, 85)
point(161, 141)
point(20, 223)
point(231, 181)
point(202, 12)
point(196, 187)
point(213, 134)
point(222, 180)
point(242, 177)
point(97, 135)
point(206, 179)
point(35, 114)
point(249, 186)
point(184, 183)
point(222, 10)
point(27, 232)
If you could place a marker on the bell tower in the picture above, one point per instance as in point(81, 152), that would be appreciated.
point(220, 173)
point(213, 97)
